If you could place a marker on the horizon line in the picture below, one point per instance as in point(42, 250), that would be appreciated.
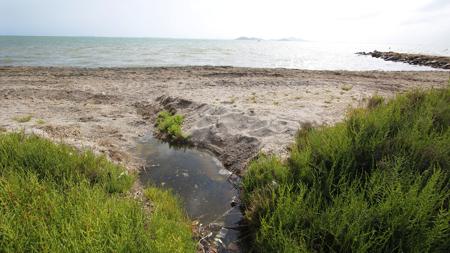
point(157, 37)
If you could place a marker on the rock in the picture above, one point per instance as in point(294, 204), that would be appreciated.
point(233, 247)
point(222, 233)
point(215, 226)
point(442, 62)
point(234, 201)
point(234, 177)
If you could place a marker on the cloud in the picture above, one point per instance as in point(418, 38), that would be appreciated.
point(435, 5)
point(436, 12)
point(362, 16)
point(321, 20)
point(428, 18)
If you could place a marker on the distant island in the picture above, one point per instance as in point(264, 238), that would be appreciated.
point(259, 39)
point(291, 39)
point(248, 38)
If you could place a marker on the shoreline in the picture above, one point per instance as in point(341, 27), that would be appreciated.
point(233, 112)
point(212, 67)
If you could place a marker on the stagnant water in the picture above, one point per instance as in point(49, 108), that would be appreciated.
point(197, 177)
point(200, 180)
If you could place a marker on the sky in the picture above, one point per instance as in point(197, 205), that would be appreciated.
point(376, 21)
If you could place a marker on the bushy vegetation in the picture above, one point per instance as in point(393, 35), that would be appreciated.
point(378, 182)
point(168, 223)
point(54, 198)
point(23, 119)
point(170, 126)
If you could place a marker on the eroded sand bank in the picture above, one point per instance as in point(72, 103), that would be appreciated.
point(233, 112)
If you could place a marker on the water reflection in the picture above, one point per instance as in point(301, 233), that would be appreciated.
point(197, 177)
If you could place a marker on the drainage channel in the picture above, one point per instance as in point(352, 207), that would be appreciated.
point(204, 186)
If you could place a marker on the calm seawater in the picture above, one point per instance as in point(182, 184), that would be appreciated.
point(148, 52)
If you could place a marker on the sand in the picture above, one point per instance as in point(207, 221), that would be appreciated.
point(233, 112)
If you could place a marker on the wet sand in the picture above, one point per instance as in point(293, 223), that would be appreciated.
point(233, 112)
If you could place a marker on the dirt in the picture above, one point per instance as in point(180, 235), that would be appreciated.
point(233, 112)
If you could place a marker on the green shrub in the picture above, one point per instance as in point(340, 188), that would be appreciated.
point(23, 119)
point(346, 87)
point(378, 182)
point(170, 125)
point(54, 198)
point(168, 224)
point(40, 122)
point(375, 101)
point(60, 164)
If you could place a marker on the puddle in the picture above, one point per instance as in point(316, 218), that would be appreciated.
point(202, 183)
point(198, 178)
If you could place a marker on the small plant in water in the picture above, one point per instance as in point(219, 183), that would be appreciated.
point(170, 125)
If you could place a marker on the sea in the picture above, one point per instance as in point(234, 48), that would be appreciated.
point(94, 52)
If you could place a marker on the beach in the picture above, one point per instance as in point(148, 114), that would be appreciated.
point(235, 113)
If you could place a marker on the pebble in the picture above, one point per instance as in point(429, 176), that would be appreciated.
point(215, 226)
point(233, 247)
point(234, 201)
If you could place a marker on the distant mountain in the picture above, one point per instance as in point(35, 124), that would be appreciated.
point(259, 39)
point(291, 39)
point(248, 38)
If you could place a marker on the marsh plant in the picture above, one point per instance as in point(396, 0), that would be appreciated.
point(377, 182)
point(23, 119)
point(54, 198)
point(170, 125)
point(346, 87)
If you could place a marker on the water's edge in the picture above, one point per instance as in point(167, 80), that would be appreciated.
point(154, 52)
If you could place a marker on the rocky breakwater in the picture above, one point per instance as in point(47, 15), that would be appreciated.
point(442, 62)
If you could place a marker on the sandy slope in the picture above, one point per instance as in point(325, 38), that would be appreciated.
point(233, 112)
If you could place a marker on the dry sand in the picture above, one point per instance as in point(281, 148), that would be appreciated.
point(232, 112)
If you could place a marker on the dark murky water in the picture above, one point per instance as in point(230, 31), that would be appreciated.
point(197, 177)
point(202, 183)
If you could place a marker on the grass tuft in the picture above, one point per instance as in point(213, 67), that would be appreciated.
point(23, 119)
point(170, 126)
point(54, 198)
point(40, 122)
point(346, 87)
point(375, 101)
point(169, 225)
point(378, 182)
